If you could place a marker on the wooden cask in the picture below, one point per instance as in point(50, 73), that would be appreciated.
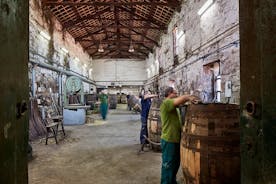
point(154, 123)
point(112, 99)
point(210, 144)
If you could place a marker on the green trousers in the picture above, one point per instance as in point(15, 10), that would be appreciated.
point(104, 108)
point(170, 162)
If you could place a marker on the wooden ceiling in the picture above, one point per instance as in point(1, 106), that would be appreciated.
point(114, 24)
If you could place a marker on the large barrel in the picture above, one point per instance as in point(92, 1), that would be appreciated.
point(90, 99)
point(134, 103)
point(118, 98)
point(123, 98)
point(210, 144)
point(112, 98)
point(154, 123)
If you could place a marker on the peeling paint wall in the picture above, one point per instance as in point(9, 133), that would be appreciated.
point(213, 36)
point(51, 50)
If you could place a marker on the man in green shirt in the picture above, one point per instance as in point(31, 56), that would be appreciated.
point(171, 134)
point(104, 104)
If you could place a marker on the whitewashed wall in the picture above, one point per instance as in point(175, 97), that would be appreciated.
point(212, 36)
point(119, 72)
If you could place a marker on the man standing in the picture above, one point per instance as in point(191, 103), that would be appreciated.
point(128, 102)
point(145, 105)
point(171, 134)
point(104, 104)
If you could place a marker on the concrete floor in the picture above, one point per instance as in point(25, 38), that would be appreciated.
point(104, 152)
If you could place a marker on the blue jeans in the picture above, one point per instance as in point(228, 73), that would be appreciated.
point(144, 130)
point(170, 161)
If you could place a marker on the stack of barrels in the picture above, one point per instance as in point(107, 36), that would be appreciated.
point(118, 98)
point(210, 144)
point(112, 99)
point(123, 98)
point(154, 124)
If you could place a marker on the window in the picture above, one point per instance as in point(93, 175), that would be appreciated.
point(175, 41)
point(178, 40)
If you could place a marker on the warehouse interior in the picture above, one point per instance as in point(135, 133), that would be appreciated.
point(59, 56)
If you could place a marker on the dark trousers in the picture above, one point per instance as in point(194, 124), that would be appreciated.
point(144, 130)
point(170, 162)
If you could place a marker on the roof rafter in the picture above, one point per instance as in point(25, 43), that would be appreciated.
point(67, 25)
point(115, 24)
point(144, 36)
point(159, 24)
point(171, 4)
point(94, 32)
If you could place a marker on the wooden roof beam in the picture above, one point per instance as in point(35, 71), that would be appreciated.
point(142, 45)
point(121, 26)
point(104, 54)
point(69, 24)
point(141, 34)
point(93, 32)
point(171, 4)
point(132, 53)
point(159, 24)
point(97, 42)
point(125, 49)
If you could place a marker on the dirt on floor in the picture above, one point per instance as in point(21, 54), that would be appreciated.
point(102, 152)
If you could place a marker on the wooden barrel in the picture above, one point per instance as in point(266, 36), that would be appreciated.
point(112, 99)
point(118, 98)
point(123, 98)
point(210, 144)
point(154, 123)
point(90, 99)
point(134, 103)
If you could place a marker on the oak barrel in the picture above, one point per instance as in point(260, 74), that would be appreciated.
point(154, 123)
point(112, 99)
point(210, 144)
point(123, 98)
point(90, 99)
point(134, 103)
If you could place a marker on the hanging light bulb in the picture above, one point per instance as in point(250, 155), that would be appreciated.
point(131, 48)
point(100, 49)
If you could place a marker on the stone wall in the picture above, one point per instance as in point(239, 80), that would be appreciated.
point(211, 37)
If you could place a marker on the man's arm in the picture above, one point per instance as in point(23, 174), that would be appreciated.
point(185, 98)
point(150, 96)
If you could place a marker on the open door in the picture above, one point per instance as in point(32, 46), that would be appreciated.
point(258, 91)
point(14, 41)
